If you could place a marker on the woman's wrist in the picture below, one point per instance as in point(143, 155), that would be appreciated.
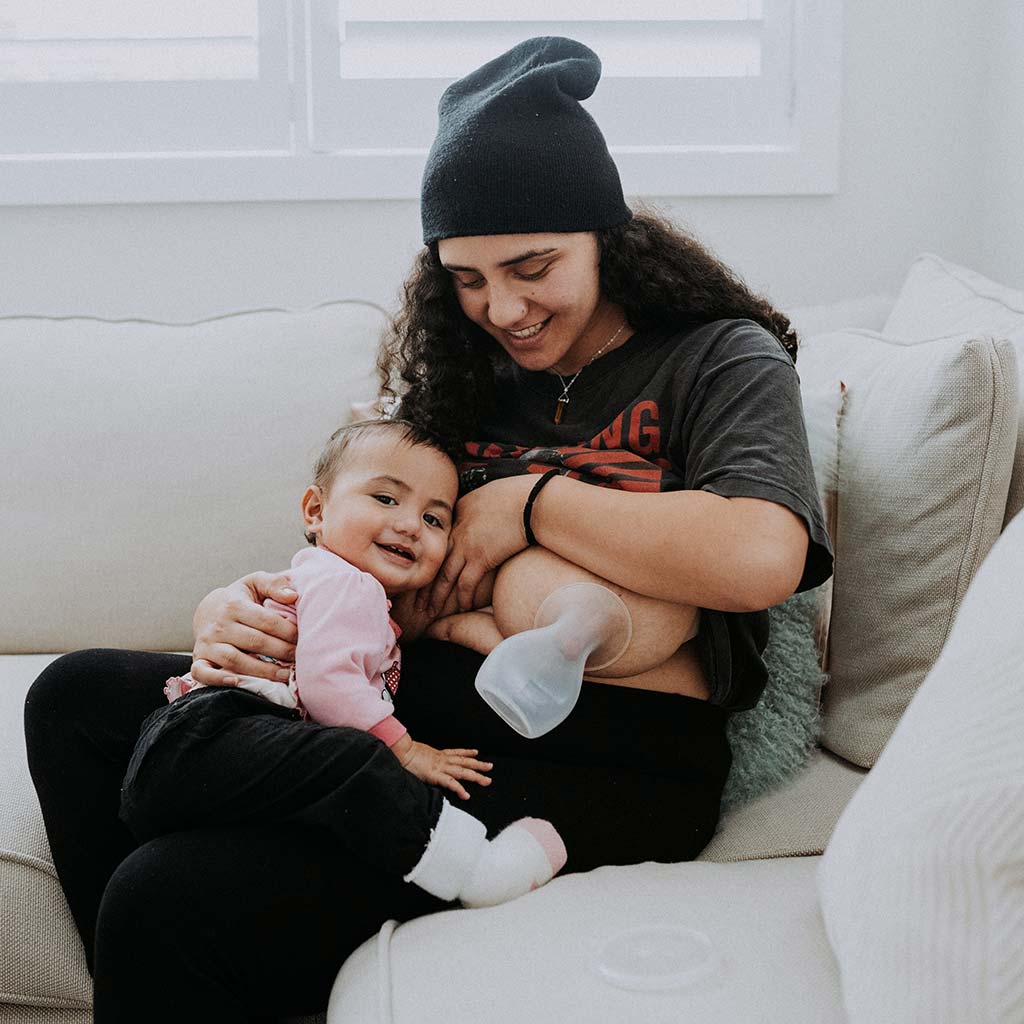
point(528, 531)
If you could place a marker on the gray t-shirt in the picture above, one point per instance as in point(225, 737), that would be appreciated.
point(713, 408)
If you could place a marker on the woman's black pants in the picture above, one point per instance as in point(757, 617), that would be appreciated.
point(247, 923)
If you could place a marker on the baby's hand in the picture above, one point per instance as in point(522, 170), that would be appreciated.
point(475, 630)
point(442, 767)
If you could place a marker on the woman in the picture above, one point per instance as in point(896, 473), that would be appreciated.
point(547, 327)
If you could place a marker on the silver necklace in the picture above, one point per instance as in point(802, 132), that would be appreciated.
point(563, 399)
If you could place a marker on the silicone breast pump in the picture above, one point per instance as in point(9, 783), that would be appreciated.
point(533, 679)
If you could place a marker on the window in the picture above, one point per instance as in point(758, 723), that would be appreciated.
point(166, 100)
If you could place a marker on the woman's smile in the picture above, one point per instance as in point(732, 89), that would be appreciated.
point(530, 332)
point(529, 339)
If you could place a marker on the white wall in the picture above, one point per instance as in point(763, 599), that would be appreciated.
point(911, 180)
point(1000, 244)
point(909, 171)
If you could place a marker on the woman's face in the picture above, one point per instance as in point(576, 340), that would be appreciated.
point(537, 295)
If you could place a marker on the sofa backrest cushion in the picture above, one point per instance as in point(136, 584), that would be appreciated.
point(922, 883)
point(146, 463)
point(939, 297)
point(926, 450)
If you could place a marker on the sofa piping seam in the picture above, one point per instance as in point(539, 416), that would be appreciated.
point(204, 320)
point(47, 1002)
point(27, 860)
point(971, 548)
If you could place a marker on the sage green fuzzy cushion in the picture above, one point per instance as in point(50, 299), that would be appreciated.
point(772, 740)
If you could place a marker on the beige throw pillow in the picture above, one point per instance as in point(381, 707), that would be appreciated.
point(925, 457)
point(939, 297)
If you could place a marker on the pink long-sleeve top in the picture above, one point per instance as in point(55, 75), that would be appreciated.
point(347, 660)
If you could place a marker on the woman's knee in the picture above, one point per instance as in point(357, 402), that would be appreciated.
point(61, 681)
point(85, 677)
point(96, 698)
point(59, 695)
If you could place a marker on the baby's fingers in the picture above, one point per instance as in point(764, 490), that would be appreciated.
point(465, 771)
point(458, 755)
point(466, 759)
point(454, 785)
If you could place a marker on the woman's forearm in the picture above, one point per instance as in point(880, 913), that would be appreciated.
point(690, 547)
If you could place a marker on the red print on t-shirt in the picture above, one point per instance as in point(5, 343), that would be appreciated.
point(626, 454)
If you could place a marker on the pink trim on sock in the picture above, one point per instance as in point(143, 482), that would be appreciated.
point(550, 841)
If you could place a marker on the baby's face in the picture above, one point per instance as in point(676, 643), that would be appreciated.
point(388, 512)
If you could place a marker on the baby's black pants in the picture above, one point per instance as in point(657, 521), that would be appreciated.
point(222, 756)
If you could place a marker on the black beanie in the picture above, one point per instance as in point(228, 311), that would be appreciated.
point(516, 153)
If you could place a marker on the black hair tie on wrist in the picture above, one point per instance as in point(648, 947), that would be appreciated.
point(531, 540)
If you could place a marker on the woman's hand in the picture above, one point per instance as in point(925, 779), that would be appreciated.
point(231, 627)
point(488, 531)
point(441, 767)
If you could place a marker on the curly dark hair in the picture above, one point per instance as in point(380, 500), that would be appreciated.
point(442, 365)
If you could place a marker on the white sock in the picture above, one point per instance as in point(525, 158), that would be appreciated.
point(519, 859)
point(456, 843)
point(461, 863)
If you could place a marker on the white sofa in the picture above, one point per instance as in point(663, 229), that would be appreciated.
point(145, 463)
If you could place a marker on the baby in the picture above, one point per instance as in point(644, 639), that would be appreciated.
point(327, 750)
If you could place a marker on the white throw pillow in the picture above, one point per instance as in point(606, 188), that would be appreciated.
point(939, 297)
point(924, 464)
point(922, 883)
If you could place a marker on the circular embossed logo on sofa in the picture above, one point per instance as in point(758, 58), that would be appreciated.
point(656, 957)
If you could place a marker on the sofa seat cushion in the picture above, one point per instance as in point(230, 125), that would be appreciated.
point(795, 820)
point(43, 963)
point(659, 943)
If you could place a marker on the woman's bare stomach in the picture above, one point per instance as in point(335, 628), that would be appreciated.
point(661, 654)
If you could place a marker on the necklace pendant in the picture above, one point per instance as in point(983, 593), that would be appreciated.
point(560, 409)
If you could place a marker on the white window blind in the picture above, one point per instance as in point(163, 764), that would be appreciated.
point(85, 78)
point(277, 99)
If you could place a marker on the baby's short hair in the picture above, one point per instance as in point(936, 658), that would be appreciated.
point(332, 457)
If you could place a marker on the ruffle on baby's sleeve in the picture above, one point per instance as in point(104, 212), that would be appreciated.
point(178, 686)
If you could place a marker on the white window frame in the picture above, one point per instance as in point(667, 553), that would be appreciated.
point(805, 162)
